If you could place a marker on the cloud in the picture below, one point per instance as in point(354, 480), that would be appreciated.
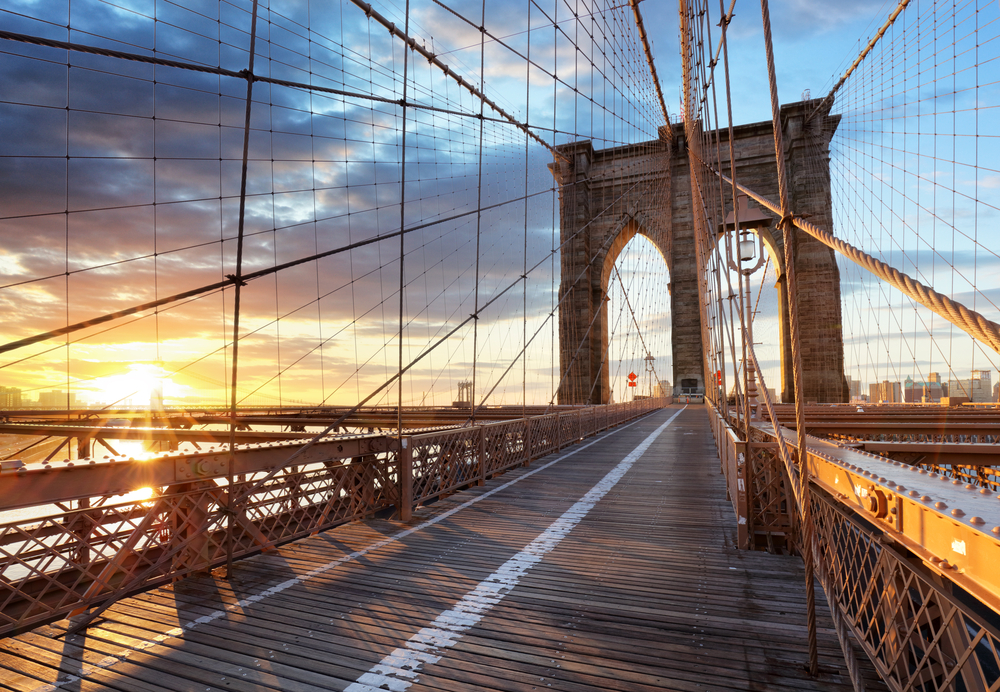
point(122, 185)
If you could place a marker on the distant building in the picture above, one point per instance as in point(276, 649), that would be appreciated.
point(663, 389)
point(927, 392)
point(978, 388)
point(856, 387)
point(885, 392)
point(10, 397)
point(56, 399)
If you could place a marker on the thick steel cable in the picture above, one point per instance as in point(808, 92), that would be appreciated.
point(724, 46)
point(652, 66)
point(798, 496)
point(427, 351)
point(970, 321)
point(828, 99)
point(793, 318)
point(434, 60)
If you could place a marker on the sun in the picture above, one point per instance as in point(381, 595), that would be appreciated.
point(143, 385)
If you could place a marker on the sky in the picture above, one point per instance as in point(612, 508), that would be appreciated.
point(121, 185)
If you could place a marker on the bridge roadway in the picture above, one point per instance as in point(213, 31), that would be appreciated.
point(602, 567)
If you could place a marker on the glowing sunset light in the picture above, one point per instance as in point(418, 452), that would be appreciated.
point(144, 384)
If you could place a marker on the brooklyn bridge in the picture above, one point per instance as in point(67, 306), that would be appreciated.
point(443, 345)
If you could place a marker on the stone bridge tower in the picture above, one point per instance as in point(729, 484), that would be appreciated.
point(649, 186)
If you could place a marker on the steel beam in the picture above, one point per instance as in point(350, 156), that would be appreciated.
point(84, 432)
point(953, 527)
point(59, 482)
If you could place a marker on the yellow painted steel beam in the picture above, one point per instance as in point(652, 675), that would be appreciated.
point(953, 527)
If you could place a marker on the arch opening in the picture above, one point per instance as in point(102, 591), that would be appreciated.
point(636, 317)
point(763, 292)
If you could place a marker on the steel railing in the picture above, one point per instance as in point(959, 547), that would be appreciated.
point(78, 536)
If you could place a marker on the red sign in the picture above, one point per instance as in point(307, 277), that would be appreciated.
point(718, 377)
point(631, 376)
point(632, 384)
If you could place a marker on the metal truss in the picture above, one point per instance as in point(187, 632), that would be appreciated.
point(911, 575)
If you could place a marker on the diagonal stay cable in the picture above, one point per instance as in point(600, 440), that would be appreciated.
point(230, 280)
point(427, 351)
point(638, 331)
point(973, 323)
point(434, 60)
point(224, 72)
point(828, 99)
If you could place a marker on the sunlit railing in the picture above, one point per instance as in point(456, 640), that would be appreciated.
point(68, 547)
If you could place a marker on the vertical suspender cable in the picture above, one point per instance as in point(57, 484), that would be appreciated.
point(479, 215)
point(524, 269)
point(402, 236)
point(237, 283)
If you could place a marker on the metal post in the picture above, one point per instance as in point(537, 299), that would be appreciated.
point(481, 476)
point(558, 431)
point(405, 475)
point(527, 442)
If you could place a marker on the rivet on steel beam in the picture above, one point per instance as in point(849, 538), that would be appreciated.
point(957, 512)
point(978, 521)
point(933, 475)
point(984, 491)
point(880, 479)
point(935, 560)
point(970, 486)
point(940, 505)
point(913, 493)
point(901, 489)
point(956, 482)
point(925, 498)
point(996, 530)
point(921, 470)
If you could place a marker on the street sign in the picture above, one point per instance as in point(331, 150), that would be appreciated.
point(631, 380)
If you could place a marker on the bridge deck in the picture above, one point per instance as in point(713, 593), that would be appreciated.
point(638, 589)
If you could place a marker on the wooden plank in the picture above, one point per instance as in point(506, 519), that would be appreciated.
point(647, 592)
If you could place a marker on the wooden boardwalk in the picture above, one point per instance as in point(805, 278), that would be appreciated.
point(594, 569)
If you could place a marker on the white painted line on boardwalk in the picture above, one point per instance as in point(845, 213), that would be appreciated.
point(399, 669)
point(176, 632)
